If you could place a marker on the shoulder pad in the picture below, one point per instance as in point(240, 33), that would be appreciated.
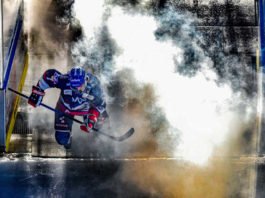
point(92, 80)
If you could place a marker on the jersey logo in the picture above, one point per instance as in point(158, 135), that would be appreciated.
point(79, 100)
point(67, 92)
point(54, 78)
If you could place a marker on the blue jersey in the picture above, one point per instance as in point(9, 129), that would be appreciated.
point(72, 101)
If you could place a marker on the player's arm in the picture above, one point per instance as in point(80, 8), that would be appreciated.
point(49, 79)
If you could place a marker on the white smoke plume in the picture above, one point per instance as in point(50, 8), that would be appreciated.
point(162, 80)
point(199, 111)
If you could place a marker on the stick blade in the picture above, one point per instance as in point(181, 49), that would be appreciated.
point(128, 134)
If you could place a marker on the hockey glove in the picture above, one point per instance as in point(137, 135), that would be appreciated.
point(90, 120)
point(36, 96)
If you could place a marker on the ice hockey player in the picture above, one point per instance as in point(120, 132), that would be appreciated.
point(81, 95)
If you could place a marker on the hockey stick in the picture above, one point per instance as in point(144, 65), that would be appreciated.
point(128, 134)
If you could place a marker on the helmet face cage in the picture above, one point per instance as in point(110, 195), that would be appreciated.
point(77, 77)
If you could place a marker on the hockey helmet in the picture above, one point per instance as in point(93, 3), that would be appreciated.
point(77, 76)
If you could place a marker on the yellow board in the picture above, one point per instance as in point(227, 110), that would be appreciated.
point(16, 103)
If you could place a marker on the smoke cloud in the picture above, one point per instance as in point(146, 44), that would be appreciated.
point(187, 101)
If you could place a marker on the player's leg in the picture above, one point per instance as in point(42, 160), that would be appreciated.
point(63, 128)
